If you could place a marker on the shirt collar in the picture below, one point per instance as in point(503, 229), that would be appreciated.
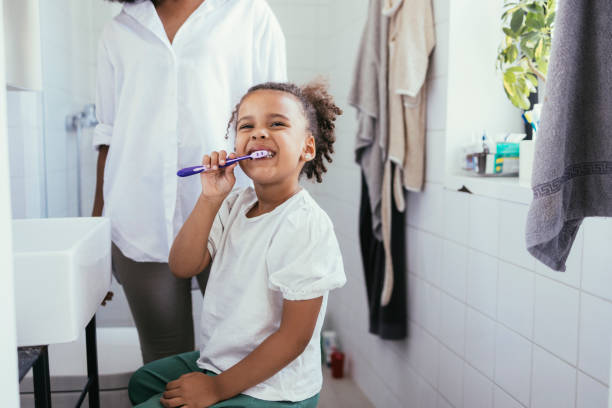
point(144, 12)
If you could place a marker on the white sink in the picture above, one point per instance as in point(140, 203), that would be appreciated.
point(62, 274)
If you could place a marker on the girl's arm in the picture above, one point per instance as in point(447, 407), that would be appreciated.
point(189, 253)
point(279, 349)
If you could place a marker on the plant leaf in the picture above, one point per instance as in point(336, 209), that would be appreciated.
point(532, 78)
point(539, 49)
point(532, 21)
point(512, 53)
point(535, 8)
point(531, 36)
point(509, 32)
point(524, 101)
point(543, 67)
point(524, 85)
point(526, 48)
point(509, 77)
point(517, 20)
point(518, 100)
point(516, 70)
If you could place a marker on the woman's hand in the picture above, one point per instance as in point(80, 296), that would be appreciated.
point(193, 390)
point(217, 182)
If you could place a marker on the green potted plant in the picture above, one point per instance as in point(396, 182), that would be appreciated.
point(524, 54)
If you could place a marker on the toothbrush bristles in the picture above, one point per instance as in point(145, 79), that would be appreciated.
point(261, 154)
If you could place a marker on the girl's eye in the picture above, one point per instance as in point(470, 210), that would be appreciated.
point(278, 124)
point(245, 127)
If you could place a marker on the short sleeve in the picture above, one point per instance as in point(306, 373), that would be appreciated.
point(220, 223)
point(271, 60)
point(304, 259)
point(105, 98)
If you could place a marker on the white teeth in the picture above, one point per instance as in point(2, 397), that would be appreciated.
point(263, 153)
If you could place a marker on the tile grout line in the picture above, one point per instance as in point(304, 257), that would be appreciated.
point(533, 342)
point(580, 289)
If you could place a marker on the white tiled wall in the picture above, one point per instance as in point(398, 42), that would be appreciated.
point(69, 61)
point(69, 36)
point(489, 326)
point(26, 154)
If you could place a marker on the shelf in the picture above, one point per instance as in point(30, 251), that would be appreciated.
point(502, 188)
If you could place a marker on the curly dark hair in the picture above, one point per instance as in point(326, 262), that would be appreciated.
point(320, 112)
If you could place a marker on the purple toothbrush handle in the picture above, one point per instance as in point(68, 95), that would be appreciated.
point(190, 171)
point(229, 162)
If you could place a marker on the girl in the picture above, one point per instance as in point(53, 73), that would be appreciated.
point(274, 259)
point(169, 73)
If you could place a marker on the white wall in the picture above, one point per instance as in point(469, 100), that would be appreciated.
point(8, 340)
point(489, 327)
point(25, 137)
point(70, 30)
point(475, 97)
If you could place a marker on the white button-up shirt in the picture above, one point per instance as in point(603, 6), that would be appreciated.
point(162, 106)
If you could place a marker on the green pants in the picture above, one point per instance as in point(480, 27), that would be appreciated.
point(149, 383)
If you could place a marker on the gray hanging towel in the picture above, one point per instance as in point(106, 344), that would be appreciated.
point(368, 95)
point(572, 176)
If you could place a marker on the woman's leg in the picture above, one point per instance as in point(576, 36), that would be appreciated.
point(149, 381)
point(160, 304)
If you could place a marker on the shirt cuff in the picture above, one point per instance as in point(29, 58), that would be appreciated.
point(102, 135)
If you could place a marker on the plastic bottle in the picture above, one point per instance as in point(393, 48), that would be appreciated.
point(337, 364)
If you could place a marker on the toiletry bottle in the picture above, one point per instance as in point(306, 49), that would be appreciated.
point(482, 156)
point(485, 147)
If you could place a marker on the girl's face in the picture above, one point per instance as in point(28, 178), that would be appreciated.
point(274, 121)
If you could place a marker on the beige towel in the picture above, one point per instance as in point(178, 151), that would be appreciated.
point(411, 40)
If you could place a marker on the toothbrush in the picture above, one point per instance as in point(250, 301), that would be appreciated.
point(190, 171)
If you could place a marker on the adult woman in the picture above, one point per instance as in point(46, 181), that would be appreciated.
point(169, 75)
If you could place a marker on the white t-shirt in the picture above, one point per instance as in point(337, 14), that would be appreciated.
point(162, 106)
point(289, 253)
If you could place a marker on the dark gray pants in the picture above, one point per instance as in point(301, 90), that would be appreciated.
point(160, 304)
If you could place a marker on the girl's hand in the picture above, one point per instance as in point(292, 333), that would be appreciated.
point(193, 390)
point(217, 183)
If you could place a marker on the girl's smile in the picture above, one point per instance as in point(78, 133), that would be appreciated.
point(273, 121)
